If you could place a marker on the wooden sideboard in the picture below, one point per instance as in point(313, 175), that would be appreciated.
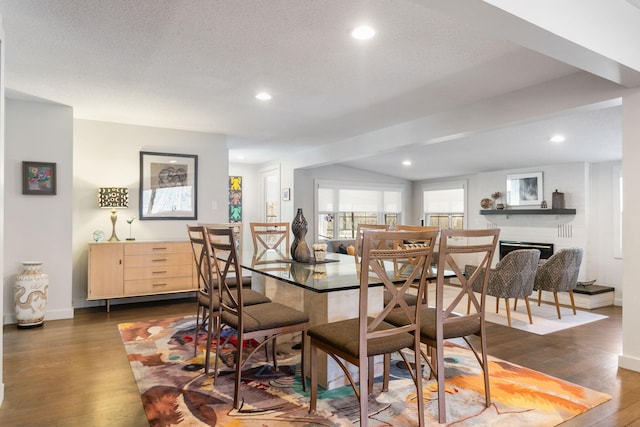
point(128, 269)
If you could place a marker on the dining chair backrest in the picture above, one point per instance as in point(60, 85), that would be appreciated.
point(227, 268)
point(378, 255)
point(270, 236)
point(201, 259)
point(454, 245)
point(357, 253)
point(401, 266)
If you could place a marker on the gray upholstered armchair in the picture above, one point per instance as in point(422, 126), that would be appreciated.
point(512, 277)
point(559, 274)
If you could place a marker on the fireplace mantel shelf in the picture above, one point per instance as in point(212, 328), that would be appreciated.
point(528, 212)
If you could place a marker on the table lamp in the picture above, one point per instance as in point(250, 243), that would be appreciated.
point(113, 198)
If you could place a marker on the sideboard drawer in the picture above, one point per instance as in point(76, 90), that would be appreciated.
point(158, 260)
point(157, 286)
point(158, 272)
point(158, 248)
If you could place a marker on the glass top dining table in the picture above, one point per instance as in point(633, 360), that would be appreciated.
point(338, 272)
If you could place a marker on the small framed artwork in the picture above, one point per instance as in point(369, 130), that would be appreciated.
point(286, 194)
point(524, 189)
point(39, 178)
point(168, 186)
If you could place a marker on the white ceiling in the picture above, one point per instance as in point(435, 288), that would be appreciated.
point(197, 64)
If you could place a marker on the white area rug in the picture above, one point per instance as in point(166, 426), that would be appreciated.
point(545, 317)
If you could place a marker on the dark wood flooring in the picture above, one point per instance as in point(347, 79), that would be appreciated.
point(75, 372)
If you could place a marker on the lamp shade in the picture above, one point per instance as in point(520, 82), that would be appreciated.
point(113, 197)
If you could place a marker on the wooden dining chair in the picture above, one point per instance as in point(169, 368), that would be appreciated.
point(207, 295)
point(271, 236)
point(261, 322)
point(443, 322)
point(400, 266)
point(358, 340)
point(357, 253)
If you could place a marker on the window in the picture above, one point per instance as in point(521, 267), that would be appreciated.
point(341, 207)
point(443, 205)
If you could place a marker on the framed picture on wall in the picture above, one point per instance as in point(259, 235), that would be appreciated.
point(524, 189)
point(39, 178)
point(286, 194)
point(168, 186)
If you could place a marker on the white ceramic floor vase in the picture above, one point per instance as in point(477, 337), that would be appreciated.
point(31, 289)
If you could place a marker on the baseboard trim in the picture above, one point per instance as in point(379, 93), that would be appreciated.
point(627, 362)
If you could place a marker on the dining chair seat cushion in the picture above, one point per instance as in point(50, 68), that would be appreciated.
point(343, 335)
point(265, 316)
point(250, 297)
point(428, 324)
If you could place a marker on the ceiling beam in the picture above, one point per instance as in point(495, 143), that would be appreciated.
point(597, 37)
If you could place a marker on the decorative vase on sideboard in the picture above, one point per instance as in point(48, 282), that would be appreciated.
point(31, 289)
point(299, 248)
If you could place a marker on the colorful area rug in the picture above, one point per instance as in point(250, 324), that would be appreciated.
point(175, 391)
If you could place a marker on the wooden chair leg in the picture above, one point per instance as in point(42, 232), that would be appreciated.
point(515, 304)
point(370, 366)
point(364, 384)
point(485, 370)
point(442, 409)
point(526, 301)
point(539, 296)
point(573, 303)
point(303, 363)
point(497, 305)
point(555, 297)
point(506, 304)
point(313, 360)
point(385, 377)
point(238, 378)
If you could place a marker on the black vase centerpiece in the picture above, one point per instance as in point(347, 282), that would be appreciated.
point(299, 248)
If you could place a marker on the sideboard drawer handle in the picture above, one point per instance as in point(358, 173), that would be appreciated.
point(159, 249)
point(160, 272)
point(159, 260)
point(158, 285)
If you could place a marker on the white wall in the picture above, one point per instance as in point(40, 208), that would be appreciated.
point(603, 263)
point(586, 187)
point(39, 227)
point(108, 154)
point(2, 192)
point(630, 359)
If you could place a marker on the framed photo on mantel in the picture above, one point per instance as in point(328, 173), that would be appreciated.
point(525, 189)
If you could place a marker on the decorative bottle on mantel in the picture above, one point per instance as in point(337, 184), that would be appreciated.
point(557, 200)
point(31, 289)
point(299, 248)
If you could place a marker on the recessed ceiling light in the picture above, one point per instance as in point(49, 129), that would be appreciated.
point(363, 32)
point(240, 157)
point(263, 96)
point(407, 162)
point(557, 138)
